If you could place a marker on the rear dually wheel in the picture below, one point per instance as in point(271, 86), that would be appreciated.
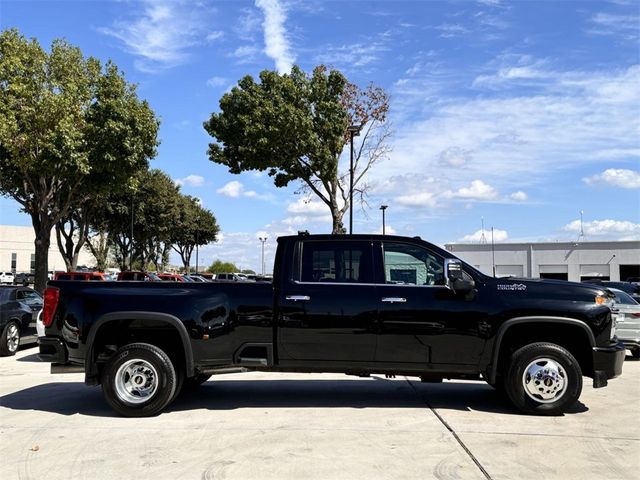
point(139, 380)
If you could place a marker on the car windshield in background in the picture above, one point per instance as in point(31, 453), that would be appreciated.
point(30, 297)
point(624, 298)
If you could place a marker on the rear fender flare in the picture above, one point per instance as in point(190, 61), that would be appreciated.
point(493, 370)
point(90, 366)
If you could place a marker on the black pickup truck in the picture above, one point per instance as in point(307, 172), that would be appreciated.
point(354, 304)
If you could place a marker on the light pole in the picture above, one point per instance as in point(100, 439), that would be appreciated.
point(263, 241)
point(354, 130)
point(383, 208)
point(197, 228)
point(131, 241)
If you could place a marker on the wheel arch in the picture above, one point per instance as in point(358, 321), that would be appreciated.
point(511, 326)
point(91, 368)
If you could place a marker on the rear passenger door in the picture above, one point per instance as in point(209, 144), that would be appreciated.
point(328, 305)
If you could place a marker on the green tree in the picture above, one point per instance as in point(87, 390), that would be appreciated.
point(65, 133)
point(218, 266)
point(151, 209)
point(195, 226)
point(295, 127)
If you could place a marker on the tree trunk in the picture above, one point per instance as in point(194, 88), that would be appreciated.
point(69, 250)
point(336, 216)
point(42, 230)
point(99, 248)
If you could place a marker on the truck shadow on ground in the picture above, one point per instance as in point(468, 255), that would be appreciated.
point(76, 398)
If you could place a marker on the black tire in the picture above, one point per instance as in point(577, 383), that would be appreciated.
point(195, 382)
point(635, 353)
point(543, 379)
point(10, 339)
point(139, 380)
point(179, 383)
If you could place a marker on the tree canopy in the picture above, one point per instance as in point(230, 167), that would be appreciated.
point(195, 226)
point(218, 266)
point(70, 130)
point(295, 127)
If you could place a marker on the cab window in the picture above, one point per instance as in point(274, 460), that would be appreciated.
point(406, 264)
point(335, 262)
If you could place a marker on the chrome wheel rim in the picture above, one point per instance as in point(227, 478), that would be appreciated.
point(136, 381)
point(13, 337)
point(544, 380)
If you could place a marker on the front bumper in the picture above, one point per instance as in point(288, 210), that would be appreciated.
point(607, 363)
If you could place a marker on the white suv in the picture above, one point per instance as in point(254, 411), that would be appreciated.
point(6, 277)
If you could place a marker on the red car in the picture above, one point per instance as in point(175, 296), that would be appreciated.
point(138, 277)
point(99, 276)
point(171, 277)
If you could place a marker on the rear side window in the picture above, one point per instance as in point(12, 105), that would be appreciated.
point(335, 262)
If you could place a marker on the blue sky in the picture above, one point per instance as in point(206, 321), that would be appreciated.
point(518, 114)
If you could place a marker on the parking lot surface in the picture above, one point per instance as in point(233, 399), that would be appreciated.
point(299, 426)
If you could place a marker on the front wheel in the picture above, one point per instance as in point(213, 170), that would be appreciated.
point(543, 379)
point(10, 339)
point(139, 380)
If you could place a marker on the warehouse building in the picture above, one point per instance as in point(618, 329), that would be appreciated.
point(574, 261)
point(17, 251)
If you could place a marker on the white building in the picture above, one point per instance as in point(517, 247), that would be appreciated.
point(17, 251)
point(574, 261)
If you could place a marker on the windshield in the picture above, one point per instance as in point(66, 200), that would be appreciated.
point(624, 298)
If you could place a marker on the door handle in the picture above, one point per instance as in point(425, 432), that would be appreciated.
point(298, 298)
point(394, 300)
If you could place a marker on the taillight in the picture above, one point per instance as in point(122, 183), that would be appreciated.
point(637, 315)
point(51, 297)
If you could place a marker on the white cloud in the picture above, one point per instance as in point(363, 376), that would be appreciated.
point(217, 81)
point(477, 236)
point(162, 33)
point(616, 229)
point(213, 36)
point(478, 190)
point(235, 189)
point(351, 56)
point(423, 199)
point(451, 30)
point(574, 120)
point(190, 181)
point(308, 206)
point(454, 157)
point(625, 26)
point(276, 43)
point(519, 196)
point(617, 177)
point(245, 53)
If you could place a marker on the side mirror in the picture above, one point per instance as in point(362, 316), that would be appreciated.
point(455, 277)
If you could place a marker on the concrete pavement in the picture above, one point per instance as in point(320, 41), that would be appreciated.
point(298, 426)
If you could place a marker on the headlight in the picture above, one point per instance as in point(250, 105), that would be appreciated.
point(614, 324)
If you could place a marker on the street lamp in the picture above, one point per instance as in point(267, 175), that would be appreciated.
point(262, 240)
point(354, 131)
point(197, 230)
point(383, 208)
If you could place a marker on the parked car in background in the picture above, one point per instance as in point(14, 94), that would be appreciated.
point(230, 277)
point(171, 277)
point(138, 277)
point(19, 307)
point(208, 276)
point(24, 279)
point(631, 288)
point(6, 277)
point(195, 278)
point(96, 276)
point(628, 318)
